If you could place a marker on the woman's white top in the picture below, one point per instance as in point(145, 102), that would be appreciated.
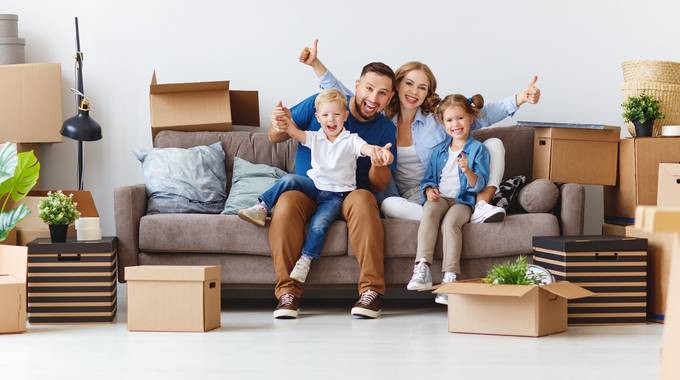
point(410, 170)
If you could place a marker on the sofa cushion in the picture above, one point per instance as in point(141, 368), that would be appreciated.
point(248, 182)
point(540, 195)
point(510, 237)
point(219, 234)
point(184, 180)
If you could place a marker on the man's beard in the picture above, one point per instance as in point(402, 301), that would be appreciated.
point(357, 105)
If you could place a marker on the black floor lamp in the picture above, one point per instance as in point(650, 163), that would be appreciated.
point(81, 127)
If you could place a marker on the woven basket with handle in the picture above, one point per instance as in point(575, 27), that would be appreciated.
point(651, 71)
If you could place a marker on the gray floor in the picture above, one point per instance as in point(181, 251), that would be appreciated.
point(409, 341)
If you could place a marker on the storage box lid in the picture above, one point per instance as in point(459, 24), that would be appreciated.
point(590, 243)
point(172, 273)
point(45, 245)
point(607, 133)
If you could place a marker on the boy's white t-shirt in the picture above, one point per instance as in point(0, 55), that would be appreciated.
point(334, 164)
point(449, 184)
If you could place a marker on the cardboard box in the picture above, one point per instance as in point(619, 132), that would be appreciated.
point(639, 159)
point(659, 254)
point(72, 282)
point(32, 227)
point(524, 310)
point(12, 289)
point(668, 193)
point(576, 155)
point(30, 103)
point(173, 298)
point(614, 268)
point(200, 106)
point(659, 219)
point(609, 229)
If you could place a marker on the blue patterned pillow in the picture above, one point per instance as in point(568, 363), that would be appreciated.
point(180, 180)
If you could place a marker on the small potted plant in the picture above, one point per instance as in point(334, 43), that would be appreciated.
point(58, 210)
point(518, 273)
point(642, 111)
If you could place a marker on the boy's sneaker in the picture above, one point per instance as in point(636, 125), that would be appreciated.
point(444, 298)
point(368, 305)
point(299, 272)
point(486, 213)
point(288, 307)
point(255, 215)
point(421, 278)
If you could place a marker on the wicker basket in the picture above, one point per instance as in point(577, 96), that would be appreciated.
point(667, 94)
point(651, 71)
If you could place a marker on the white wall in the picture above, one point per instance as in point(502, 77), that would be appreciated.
point(491, 47)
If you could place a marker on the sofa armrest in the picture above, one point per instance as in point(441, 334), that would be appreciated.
point(572, 209)
point(129, 204)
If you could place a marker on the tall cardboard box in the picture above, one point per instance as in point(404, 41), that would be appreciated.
point(522, 310)
point(200, 106)
point(32, 227)
point(30, 103)
point(13, 264)
point(668, 193)
point(659, 257)
point(639, 160)
point(576, 155)
point(173, 298)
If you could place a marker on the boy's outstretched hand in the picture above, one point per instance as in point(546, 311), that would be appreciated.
point(281, 117)
point(382, 156)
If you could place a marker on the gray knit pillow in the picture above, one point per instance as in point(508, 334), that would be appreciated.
point(539, 196)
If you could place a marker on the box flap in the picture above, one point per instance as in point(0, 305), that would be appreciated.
point(84, 199)
point(566, 289)
point(245, 107)
point(482, 289)
point(165, 88)
point(608, 133)
point(14, 261)
point(172, 273)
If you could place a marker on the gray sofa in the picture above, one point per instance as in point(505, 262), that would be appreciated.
point(243, 250)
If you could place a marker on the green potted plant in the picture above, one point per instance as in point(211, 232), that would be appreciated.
point(518, 273)
point(642, 111)
point(58, 210)
point(18, 174)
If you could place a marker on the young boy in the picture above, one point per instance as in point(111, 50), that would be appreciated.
point(334, 154)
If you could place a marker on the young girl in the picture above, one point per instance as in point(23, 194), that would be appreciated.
point(458, 170)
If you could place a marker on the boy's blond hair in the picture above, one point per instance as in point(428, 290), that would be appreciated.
point(330, 95)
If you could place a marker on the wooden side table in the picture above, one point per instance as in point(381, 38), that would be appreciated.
point(72, 282)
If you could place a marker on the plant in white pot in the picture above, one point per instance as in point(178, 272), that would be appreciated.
point(58, 210)
point(18, 174)
point(642, 111)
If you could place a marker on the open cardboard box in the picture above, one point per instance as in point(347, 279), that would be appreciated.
point(30, 111)
point(670, 347)
point(638, 177)
point(200, 106)
point(563, 154)
point(523, 310)
point(173, 298)
point(13, 267)
point(32, 227)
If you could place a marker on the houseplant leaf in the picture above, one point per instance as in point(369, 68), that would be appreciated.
point(9, 219)
point(25, 177)
point(8, 161)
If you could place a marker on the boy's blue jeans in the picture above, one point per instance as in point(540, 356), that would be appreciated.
point(328, 208)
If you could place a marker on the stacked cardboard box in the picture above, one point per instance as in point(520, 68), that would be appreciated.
point(614, 268)
point(12, 289)
point(638, 178)
point(72, 282)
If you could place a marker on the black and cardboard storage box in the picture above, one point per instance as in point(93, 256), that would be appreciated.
point(73, 281)
point(612, 267)
point(638, 176)
point(576, 155)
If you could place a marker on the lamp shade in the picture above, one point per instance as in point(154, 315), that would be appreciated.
point(81, 127)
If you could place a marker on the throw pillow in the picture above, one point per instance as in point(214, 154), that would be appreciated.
point(180, 180)
point(249, 181)
point(539, 196)
point(506, 195)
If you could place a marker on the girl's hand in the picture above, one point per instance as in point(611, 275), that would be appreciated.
point(432, 194)
point(463, 163)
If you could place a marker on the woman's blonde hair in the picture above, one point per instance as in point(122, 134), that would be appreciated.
point(470, 105)
point(431, 99)
point(331, 95)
